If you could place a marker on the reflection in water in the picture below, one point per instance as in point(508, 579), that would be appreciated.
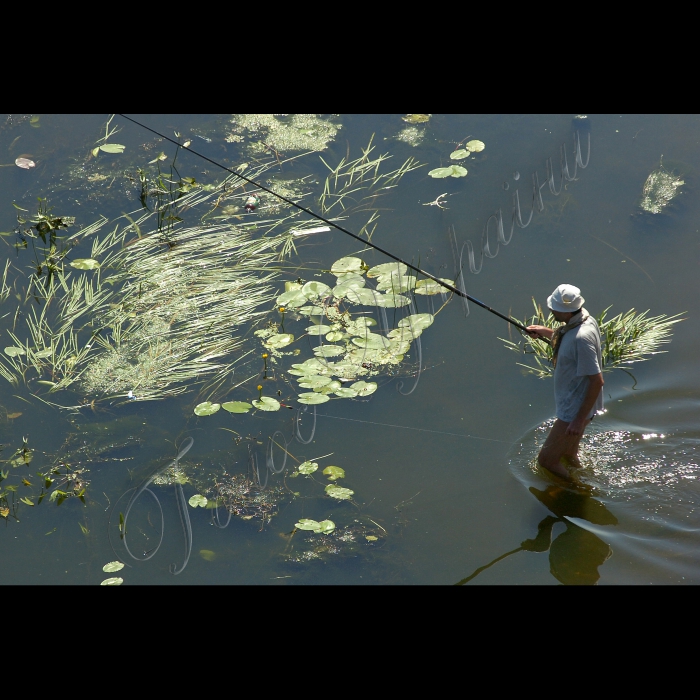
point(576, 553)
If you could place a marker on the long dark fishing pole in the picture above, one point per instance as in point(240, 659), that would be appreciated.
point(451, 288)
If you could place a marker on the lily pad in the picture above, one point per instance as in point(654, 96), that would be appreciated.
point(374, 341)
point(315, 290)
point(279, 340)
point(307, 524)
point(14, 351)
point(392, 301)
point(207, 408)
point(307, 468)
point(416, 118)
point(85, 264)
point(311, 310)
point(351, 278)
point(47, 352)
point(198, 501)
point(364, 388)
point(325, 526)
point(459, 154)
point(393, 268)
point(334, 473)
point(313, 382)
point(266, 403)
point(318, 330)
point(339, 492)
point(24, 163)
point(116, 581)
point(345, 393)
point(366, 297)
point(475, 146)
point(311, 398)
point(396, 283)
point(112, 148)
point(451, 171)
point(428, 287)
point(112, 567)
point(333, 336)
point(328, 351)
point(328, 388)
point(236, 406)
point(294, 298)
point(349, 264)
point(417, 321)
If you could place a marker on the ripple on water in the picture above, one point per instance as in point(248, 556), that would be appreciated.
point(649, 480)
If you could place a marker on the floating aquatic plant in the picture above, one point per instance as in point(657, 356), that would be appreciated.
point(625, 339)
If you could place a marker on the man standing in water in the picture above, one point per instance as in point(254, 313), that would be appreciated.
point(578, 378)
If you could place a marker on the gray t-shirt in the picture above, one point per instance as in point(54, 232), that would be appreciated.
point(579, 356)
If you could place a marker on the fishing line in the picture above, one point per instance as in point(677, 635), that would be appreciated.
point(452, 288)
point(422, 430)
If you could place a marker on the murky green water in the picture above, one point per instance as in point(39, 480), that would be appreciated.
point(442, 476)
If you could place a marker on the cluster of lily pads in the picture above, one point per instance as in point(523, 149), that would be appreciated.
point(350, 348)
point(460, 154)
point(362, 348)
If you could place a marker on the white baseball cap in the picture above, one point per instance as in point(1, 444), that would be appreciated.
point(565, 298)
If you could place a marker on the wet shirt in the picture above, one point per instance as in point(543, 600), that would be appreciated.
point(579, 356)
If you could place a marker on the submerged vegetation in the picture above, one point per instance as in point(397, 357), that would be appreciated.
point(660, 188)
point(625, 339)
point(159, 305)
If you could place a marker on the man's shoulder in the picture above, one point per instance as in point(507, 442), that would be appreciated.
point(588, 330)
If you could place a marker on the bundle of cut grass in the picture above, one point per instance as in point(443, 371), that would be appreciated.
point(625, 339)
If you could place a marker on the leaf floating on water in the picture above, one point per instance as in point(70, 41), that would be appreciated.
point(475, 146)
point(25, 163)
point(441, 172)
point(315, 290)
point(310, 398)
point(346, 393)
point(428, 287)
point(333, 336)
point(112, 148)
point(396, 268)
point(364, 388)
point(206, 409)
point(294, 298)
point(236, 406)
point(313, 381)
point(459, 154)
point(198, 501)
point(14, 351)
point(334, 473)
point(348, 264)
point(207, 554)
point(371, 538)
point(279, 340)
point(307, 468)
point(43, 353)
point(339, 492)
point(85, 264)
point(319, 330)
point(326, 526)
point(416, 118)
point(266, 403)
point(112, 581)
point(307, 524)
point(417, 321)
point(112, 567)
point(328, 351)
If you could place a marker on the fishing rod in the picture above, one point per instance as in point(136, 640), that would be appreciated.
point(450, 287)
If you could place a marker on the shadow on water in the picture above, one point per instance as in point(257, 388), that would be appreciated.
point(576, 553)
